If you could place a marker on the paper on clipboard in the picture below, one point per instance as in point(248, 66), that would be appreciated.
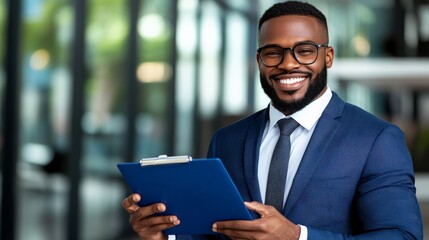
point(198, 191)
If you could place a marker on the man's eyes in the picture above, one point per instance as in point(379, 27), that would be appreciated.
point(273, 52)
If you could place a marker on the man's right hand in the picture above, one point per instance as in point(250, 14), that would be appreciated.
point(144, 222)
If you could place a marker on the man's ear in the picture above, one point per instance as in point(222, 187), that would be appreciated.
point(329, 56)
point(258, 59)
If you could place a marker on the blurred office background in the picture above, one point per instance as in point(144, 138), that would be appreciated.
point(86, 84)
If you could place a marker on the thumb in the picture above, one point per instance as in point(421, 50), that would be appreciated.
point(258, 207)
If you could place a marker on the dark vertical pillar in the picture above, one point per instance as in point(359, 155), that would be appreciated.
point(399, 46)
point(131, 99)
point(416, 106)
point(220, 111)
point(423, 42)
point(132, 84)
point(10, 121)
point(76, 133)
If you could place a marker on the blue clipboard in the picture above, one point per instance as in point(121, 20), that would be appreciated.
point(198, 191)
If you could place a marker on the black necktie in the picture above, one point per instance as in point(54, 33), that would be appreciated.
point(279, 164)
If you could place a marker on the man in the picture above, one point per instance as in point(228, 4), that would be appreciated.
point(349, 176)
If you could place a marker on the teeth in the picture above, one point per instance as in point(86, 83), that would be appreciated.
point(291, 80)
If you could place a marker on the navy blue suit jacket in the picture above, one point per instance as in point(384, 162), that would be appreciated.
point(355, 180)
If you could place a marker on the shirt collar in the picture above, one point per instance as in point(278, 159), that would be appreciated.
point(306, 117)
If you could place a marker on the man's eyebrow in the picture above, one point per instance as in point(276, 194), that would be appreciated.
point(271, 45)
point(278, 45)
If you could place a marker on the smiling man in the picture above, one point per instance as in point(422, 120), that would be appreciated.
point(292, 73)
point(336, 172)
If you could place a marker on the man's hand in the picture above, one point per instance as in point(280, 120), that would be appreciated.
point(272, 225)
point(144, 222)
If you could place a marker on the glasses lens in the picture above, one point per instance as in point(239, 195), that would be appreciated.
point(305, 53)
point(271, 56)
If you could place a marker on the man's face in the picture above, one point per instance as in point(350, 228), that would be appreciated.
point(291, 85)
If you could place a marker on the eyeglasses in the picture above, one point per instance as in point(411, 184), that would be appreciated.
point(304, 53)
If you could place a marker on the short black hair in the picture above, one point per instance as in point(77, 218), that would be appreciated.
point(293, 8)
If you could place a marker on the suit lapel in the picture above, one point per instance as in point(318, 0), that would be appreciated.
point(251, 154)
point(322, 135)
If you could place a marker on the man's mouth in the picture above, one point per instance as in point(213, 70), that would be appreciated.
point(290, 81)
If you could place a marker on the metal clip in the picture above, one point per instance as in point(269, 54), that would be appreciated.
point(164, 159)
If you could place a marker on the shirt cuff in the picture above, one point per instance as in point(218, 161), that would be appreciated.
point(303, 235)
point(173, 237)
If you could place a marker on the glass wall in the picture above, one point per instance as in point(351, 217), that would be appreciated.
point(160, 76)
point(44, 114)
point(185, 100)
point(154, 120)
point(103, 120)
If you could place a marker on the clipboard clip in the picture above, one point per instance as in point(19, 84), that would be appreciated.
point(164, 159)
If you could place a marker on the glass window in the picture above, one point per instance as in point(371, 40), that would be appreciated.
point(209, 78)
point(103, 121)
point(236, 67)
point(45, 42)
point(185, 75)
point(104, 117)
point(154, 73)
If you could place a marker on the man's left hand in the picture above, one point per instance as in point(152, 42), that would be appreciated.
point(271, 225)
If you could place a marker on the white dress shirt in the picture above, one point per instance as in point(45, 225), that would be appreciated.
point(307, 118)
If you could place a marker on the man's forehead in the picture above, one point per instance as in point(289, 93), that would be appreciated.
point(301, 27)
point(292, 20)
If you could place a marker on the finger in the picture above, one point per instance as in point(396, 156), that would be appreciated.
point(154, 225)
point(234, 230)
point(163, 226)
point(131, 200)
point(130, 203)
point(236, 225)
point(147, 211)
point(159, 221)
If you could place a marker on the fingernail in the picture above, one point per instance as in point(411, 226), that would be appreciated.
point(214, 227)
point(161, 207)
point(174, 220)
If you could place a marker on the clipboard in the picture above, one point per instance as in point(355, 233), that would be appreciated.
point(199, 192)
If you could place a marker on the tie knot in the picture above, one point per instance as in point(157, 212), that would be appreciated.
point(287, 126)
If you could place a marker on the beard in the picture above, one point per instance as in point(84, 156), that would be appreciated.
point(314, 89)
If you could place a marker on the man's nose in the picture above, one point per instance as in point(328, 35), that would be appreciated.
point(289, 62)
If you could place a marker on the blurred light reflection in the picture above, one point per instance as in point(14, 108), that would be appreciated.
point(40, 59)
point(150, 72)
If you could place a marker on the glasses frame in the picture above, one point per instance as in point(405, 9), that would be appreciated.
point(292, 52)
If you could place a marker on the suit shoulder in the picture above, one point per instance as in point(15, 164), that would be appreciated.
point(244, 123)
point(361, 118)
point(353, 117)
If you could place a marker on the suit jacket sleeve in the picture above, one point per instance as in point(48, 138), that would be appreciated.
point(386, 206)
